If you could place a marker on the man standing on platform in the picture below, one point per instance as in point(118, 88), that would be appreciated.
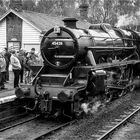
point(7, 56)
point(16, 67)
point(20, 55)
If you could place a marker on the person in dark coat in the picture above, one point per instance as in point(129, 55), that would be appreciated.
point(7, 56)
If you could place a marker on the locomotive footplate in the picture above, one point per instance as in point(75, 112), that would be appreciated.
point(110, 65)
point(116, 64)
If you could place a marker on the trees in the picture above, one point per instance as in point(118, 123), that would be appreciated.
point(3, 7)
point(56, 7)
point(115, 12)
point(128, 13)
point(109, 11)
point(45, 6)
point(96, 11)
point(28, 5)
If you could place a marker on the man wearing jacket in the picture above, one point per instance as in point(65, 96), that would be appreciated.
point(7, 56)
point(16, 67)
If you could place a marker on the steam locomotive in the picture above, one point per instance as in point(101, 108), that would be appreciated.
point(81, 64)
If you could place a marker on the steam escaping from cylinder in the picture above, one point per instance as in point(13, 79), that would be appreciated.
point(95, 107)
point(85, 107)
point(136, 82)
point(91, 107)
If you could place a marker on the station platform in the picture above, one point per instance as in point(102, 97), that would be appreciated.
point(7, 94)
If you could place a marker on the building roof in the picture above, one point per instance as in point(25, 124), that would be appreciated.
point(40, 21)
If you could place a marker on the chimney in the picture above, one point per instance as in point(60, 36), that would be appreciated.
point(83, 11)
point(16, 5)
point(70, 22)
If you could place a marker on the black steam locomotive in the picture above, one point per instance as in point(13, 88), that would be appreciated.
point(81, 64)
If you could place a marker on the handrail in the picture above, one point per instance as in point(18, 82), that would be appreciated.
point(106, 47)
point(105, 38)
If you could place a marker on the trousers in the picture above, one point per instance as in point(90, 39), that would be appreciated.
point(16, 78)
point(2, 79)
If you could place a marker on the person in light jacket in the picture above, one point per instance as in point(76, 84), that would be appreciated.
point(16, 67)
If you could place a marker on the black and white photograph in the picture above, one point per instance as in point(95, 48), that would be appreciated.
point(69, 69)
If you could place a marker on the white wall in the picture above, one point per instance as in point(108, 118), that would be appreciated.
point(3, 34)
point(28, 47)
point(30, 37)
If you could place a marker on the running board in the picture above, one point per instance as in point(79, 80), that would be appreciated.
point(119, 87)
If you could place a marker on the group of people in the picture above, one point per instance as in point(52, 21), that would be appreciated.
point(19, 60)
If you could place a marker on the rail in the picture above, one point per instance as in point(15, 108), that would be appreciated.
point(122, 122)
point(19, 123)
point(54, 130)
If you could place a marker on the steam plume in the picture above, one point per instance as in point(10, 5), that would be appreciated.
point(126, 20)
point(91, 107)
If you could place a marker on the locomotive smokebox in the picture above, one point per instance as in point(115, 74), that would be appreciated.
point(70, 22)
point(61, 46)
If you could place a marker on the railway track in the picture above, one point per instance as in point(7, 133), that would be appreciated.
point(35, 128)
point(10, 113)
point(20, 122)
point(52, 130)
point(13, 116)
point(112, 126)
point(10, 108)
point(48, 127)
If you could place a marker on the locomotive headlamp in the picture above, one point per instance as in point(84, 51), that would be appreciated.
point(57, 63)
point(57, 29)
